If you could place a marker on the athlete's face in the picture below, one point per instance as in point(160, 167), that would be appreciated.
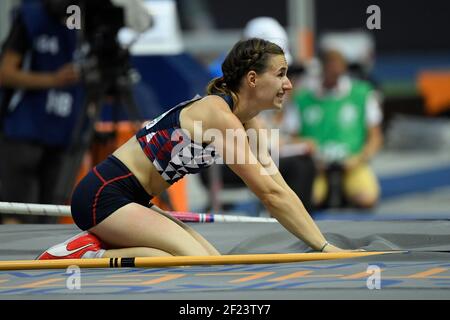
point(272, 85)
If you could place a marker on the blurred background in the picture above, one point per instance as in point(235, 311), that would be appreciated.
point(405, 58)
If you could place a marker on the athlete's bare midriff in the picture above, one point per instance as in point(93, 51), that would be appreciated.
point(131, 154)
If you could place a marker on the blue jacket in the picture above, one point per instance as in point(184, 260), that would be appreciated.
point(44, 116)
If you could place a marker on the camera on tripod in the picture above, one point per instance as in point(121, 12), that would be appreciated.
point(105, 69)
point(102, 59)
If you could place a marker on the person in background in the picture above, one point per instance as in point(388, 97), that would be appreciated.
point(40, 105)
point(340, 121)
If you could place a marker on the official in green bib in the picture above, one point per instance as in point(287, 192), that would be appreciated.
point(340, 120)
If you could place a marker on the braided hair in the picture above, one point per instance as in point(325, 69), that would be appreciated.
point(246, 55)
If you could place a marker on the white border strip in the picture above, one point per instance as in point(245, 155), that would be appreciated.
point(64, 211)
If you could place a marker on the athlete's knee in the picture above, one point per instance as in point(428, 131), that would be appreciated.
point(180, 249)
point(136, 252)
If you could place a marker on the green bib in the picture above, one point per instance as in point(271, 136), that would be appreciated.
point(337, 124)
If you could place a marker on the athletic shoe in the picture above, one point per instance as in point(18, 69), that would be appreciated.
point(83, 245)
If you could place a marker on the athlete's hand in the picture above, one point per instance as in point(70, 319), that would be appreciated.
point(332, 248)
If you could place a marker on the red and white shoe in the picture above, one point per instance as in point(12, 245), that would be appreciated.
point(83, 245)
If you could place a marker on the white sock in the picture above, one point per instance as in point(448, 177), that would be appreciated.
point(93, 254)
point(100, 253)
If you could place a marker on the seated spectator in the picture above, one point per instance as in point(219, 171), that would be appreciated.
point(340, 120)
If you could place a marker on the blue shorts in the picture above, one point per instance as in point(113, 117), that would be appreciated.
point(107, 187)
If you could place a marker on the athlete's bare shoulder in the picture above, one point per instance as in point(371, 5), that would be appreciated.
point(207, 108)
point(214, 103)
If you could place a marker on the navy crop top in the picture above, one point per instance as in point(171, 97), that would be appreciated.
point(170, 148)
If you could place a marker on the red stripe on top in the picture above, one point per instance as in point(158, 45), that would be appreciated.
point(166, 149)
point(155, 140)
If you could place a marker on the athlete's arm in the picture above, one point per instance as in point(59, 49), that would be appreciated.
point(282, 204)
point(263, 155)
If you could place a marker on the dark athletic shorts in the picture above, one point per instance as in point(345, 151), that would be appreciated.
point(107, 187)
